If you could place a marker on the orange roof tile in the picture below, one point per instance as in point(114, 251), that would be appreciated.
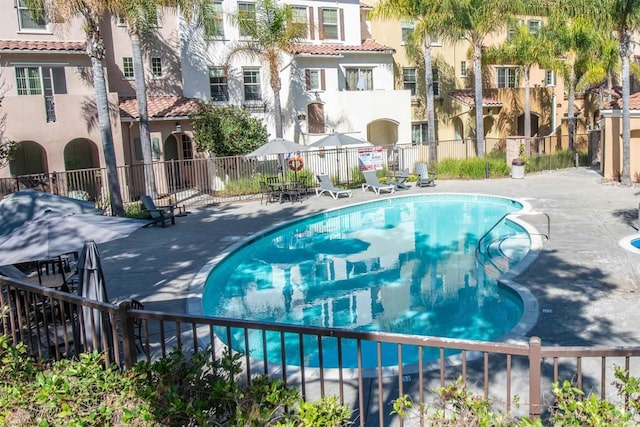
point(467, 97)
point(42, 46)
point(634, 103)
point(367, 45)
point(365, 6)
point(159, 107)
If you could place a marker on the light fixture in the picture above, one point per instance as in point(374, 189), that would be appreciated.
point(317, 94)
point(178, 128)
point(490, 112)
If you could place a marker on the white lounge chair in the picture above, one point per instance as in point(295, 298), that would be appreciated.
point(326, 186)
point(372, 182)
point(425, 178)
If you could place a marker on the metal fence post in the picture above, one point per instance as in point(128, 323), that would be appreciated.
point(535, 362)
point(128, 334)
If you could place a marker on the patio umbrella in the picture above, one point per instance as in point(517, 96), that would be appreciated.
point(23, 205)
point(339, 140)
point(52, 233)
point(91, 285)
point(276, 146)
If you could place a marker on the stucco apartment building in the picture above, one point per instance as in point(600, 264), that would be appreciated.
point(350, 74)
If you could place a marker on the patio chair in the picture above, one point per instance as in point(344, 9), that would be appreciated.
point(399, 180)
point(159, 214)
point(326, 186)
point(372, 183)
point(425, 178)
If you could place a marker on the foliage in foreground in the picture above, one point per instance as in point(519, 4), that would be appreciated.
point(458, 407)
point(173, 391)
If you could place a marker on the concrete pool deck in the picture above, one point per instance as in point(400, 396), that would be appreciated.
point(585, 282)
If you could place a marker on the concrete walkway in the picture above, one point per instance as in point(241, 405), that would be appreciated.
point(585, 282)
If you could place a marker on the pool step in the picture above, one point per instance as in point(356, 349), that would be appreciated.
point(502, 253)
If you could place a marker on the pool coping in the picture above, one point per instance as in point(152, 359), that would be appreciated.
point(625, 242)
point(516, 335)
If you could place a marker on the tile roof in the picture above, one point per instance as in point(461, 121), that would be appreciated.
point(615, 92)
point(368, 45)
point(467, 97)
point(634, 103)
point(365, 6)
point(159, 107)
point(42, 46)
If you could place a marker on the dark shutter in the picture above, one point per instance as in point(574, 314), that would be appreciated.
point(312, 26)
point(307, 79)
point(320, 26)
point(322, 86)
point(341, 24)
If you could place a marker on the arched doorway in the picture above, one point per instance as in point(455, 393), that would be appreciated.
point(30, 158)
point(535, 119)
point(315, 114)
point(178, 153)
point(81, 153)
point(383, 132)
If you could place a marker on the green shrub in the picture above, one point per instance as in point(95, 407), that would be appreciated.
point(173, 391)
point(137, 211)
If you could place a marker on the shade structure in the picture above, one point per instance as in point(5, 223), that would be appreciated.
point(339, 140)
point(277, 146)
point(92, 285)
point(52, 233)
point(23, 205)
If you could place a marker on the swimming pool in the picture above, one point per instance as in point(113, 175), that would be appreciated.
point(403, 264)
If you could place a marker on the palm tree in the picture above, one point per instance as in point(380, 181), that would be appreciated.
point(271, 33)
point(474, 20)
point(622, 17)
point(524, 49)
point(425, 15)
point(142, 18)
point(93, 12)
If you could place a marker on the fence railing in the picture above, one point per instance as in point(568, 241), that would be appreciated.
point(212, 180)
point(54, 324)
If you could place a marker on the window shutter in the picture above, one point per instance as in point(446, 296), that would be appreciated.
point(312, 26)
point(320, 23)
point(322, 85)
point(341, 24)
point(307, 79)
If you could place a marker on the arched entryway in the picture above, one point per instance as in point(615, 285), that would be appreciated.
point(178, 151)
point(81, 153)
point(382, 132)
point(315, 114)
point(30, 158)
point(535, 119)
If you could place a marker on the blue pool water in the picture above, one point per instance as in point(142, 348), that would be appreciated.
point(404, 264)
point(635, 243)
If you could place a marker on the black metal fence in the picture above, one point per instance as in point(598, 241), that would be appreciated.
point(54, 324)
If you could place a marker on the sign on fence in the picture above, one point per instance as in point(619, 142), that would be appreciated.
point(370, 159)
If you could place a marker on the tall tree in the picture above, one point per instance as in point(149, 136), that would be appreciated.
point(271, 33)
point(525, 49)
point(92, 12)
point(474, 20)
point(425, 15)
point(142, 21)
point(622, 17)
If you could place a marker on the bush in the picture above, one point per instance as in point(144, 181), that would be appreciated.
point(173, 391)
point(137, 211)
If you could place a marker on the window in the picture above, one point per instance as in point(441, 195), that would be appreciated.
point(314, 79)
point(299, 19)
point(127, 67)
point(218, 30)
point(218, 84)
point(549, 78)
point(463, 68)
point(120, 21)
point(251, 79)
point(187, 147)
point(359, 78)
point(534, 27)
point(246, 18)
point(156, 67)
point(407, 31)
point(31, 18)
point(155, 149)
point(507, 77)
point(329, 26)
point(28, 81)
point(409, 80)
point(435, 74)
point(419, 133)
